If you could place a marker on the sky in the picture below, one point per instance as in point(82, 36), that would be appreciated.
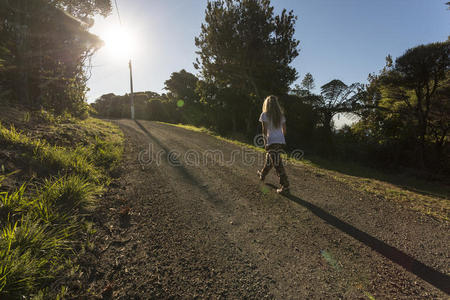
point(345, 39)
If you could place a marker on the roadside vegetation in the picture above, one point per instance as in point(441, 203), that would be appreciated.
point(52, 175)
point(55, 161)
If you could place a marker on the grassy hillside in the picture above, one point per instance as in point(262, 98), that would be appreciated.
point(52, 173)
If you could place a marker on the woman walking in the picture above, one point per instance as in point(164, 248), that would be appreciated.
point(273, 130)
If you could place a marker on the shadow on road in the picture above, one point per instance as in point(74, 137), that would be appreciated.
point(177, 165)
point(430, 275)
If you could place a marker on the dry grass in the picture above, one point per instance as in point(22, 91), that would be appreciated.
point(428, 198)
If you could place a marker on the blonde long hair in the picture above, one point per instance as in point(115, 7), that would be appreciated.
point(273, 110)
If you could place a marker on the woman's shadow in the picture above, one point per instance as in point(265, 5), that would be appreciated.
point(409, 263)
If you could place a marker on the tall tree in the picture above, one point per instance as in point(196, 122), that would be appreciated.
point(45, 51)
point(244, 47)
point(308, 82)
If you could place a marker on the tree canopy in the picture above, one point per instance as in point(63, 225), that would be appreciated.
point(182, 85)
point(308, 82)
point(244, 45)
point(83, 9)
point(409, 109)
point(410, 89)
point(45, 51)
point(245, 51)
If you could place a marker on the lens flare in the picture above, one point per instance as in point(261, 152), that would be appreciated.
point(120, 43)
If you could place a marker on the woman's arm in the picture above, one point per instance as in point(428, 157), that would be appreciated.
point(284, 128)
point(264, 132)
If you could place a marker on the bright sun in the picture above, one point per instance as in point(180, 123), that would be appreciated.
point(119, 42)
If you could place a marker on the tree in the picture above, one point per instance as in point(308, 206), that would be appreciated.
point(407, 109)
point(304, 90)
point(440, 119)
point(245, 49)
point(337, 97)
point(412, 85)
point(45, 51)
point(83, 9)
point(301, 119)
point(308, 82)
point(182, 86)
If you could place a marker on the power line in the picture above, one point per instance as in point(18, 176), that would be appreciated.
point(118, 13)
point(129, 65)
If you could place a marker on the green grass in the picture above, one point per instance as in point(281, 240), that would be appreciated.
point(40, 223)
point(69, 193)
point(103, 152)
point(32, 250)
point(429, 198)
point(46, 157)
point(404, 179)
point(216, 135)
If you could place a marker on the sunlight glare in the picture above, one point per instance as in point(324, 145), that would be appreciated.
point(119, 42)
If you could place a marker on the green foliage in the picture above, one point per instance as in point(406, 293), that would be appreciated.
point(39, 226)
point(423, 67)
point(12, 204)
point(84, 8)
point(407, 118)
point(337, 97)
point(106, 153)
point(44, 51)
point(244, 54)
point(45, 116)
point(112, 106)
point(84, 161)
point(148, 106)
point(69, 192)
point(244, 44)
point(50, 158)
point(308, 82)
point(301, 121)
point(26, 117)
point(31, 251)
point(182, 85)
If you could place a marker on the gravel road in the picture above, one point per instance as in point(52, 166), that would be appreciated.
point(187, 217)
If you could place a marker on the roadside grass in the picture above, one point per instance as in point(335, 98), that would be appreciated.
point(216, 135)
point(100, 153)
point(42, 222)
point(426, 197)
point(47, 158)
point(405, 179)
point(432, 201)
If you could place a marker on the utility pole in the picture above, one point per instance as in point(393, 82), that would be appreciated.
point(129, 64)
point(131, 86)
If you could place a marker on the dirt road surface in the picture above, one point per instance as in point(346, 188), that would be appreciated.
point(182, 222)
